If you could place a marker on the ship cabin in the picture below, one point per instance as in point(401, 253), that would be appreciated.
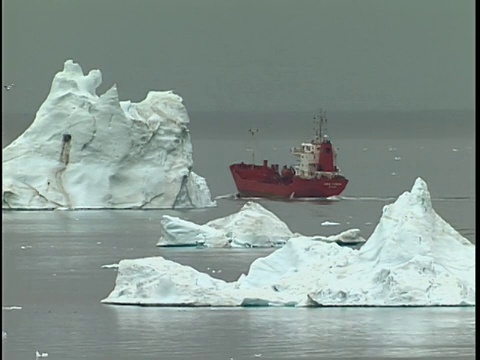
point(315, 159)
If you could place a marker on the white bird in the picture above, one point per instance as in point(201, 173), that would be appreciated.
point(42, 355)
point(8, 87)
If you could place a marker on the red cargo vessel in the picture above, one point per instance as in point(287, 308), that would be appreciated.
point(315, 174)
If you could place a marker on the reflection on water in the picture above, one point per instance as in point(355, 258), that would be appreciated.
point(96, 331)
point(280, 333)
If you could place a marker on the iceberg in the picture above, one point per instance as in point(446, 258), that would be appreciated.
point(413, 258)
point(253, 226)
point(85, 151)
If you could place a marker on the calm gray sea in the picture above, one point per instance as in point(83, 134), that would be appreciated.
point(51, 261)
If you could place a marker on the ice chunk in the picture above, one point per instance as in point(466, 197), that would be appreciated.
point(329, 223)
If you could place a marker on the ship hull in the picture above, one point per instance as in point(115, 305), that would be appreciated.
point(265, 182)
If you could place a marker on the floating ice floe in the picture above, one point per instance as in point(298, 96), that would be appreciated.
point(329, 223)
point(110, 266)
point(397, 158)
point(227, 196)
point(252, 226)
point(347, 237)
point(87, 151)
point(413, 258)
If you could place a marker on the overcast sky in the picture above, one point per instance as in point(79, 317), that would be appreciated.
point(248, 55)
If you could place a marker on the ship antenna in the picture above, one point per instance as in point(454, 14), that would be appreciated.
point(253, 132)
point(325, 121)
point(320, 125)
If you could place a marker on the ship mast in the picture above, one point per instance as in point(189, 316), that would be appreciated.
point(253, 132)
point(321, 122)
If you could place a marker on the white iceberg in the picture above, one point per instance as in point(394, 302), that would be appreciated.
point(177, 232)
point(88, 151)
point(413, 258)
point(252, 226)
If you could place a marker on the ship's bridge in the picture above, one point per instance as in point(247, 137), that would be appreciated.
point(306, 148)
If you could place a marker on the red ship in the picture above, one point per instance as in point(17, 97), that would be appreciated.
point(315, 174)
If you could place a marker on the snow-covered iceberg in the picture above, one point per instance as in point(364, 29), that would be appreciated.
point(252, 226)
point(413, 258)
point(88, 151)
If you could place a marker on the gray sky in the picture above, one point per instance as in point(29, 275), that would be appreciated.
point(248, 55)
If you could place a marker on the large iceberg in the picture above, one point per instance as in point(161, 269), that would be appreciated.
point(413, 258)
point(252, 226)
point(89, 151)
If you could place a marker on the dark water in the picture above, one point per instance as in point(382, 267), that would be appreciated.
point(58, 281)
